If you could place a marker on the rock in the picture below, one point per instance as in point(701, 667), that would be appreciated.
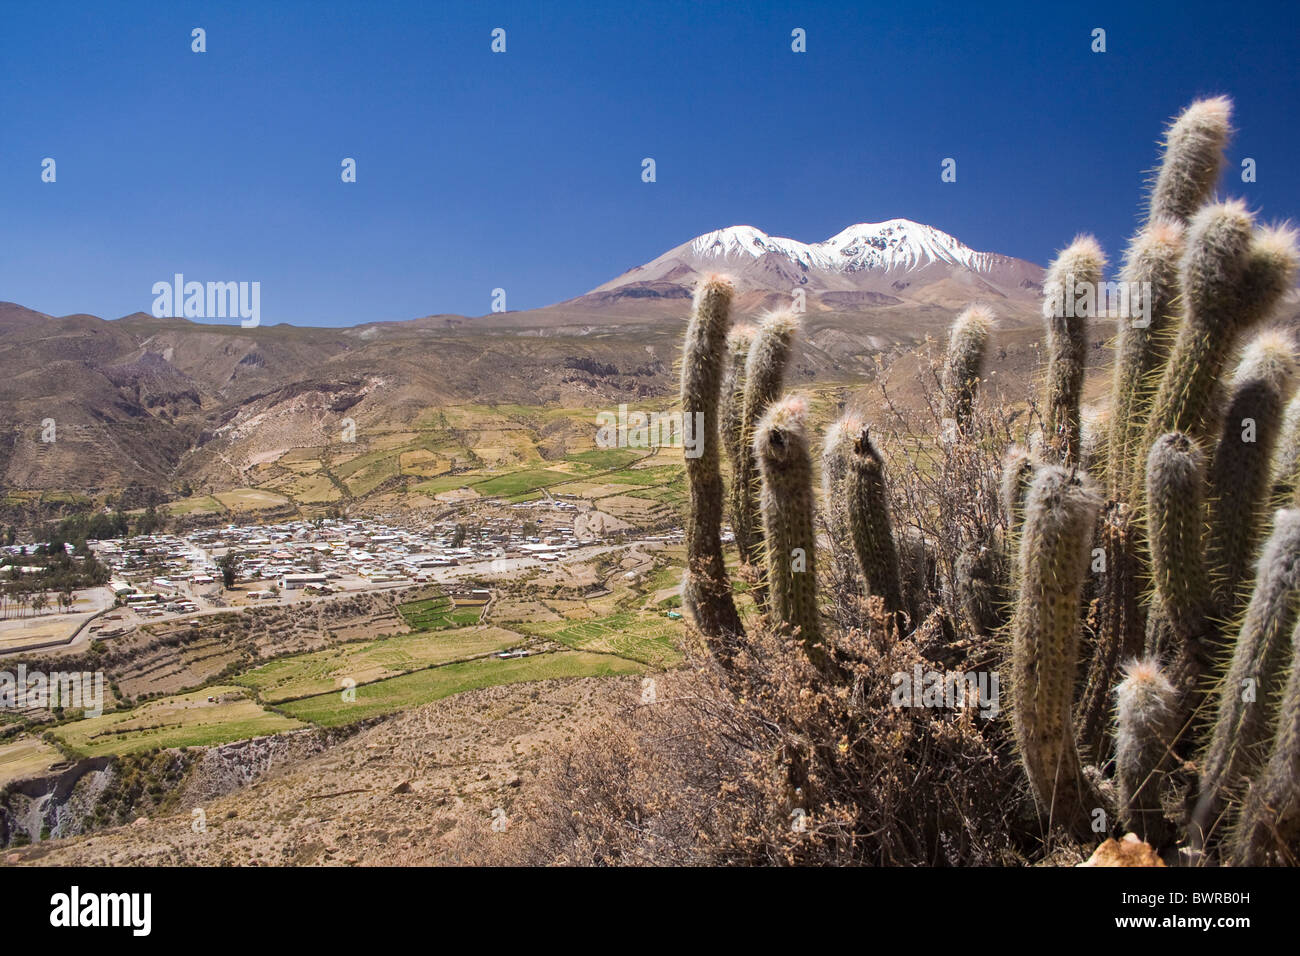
point(1130, 851)
point(140, 822)
point(403, 787)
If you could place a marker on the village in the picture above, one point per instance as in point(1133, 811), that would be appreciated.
point(173, 575)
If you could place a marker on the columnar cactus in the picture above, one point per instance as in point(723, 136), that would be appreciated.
point(1119, 629)
point(1255, 678)
point(1193, 157)
point(706, 593)
point(1175, 476)
point(764, 372)
point(781, 449)
point(1147, 724)
point(1270, 816)
point(1240, 476)
point(1286, 458)
point(837, 450)
point(1017, 473)
point(739, 340)
point(870, 524)
point(1213, 275)
point(1231, 277)
point(1152, 262)
point(1069, 299)
point(964, 363)
point(1054, 548)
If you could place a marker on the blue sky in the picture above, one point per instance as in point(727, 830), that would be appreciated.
point(522, 170)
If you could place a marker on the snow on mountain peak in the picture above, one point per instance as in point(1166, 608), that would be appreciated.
point(893, 244)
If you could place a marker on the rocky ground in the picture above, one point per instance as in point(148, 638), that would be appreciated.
point(425, 786)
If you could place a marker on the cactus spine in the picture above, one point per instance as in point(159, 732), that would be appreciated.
point(1175, 476)
point(1147, 723)
point(764, 372)
point(706, 593)
point(837, 449)
point(781, 449)
point(964, 363)
point(1254, 679)
point(1119, 629)
point(1017, 473)
point(1270, 817)
point(1070, 293)
point(1230, 279)
point(870, 524)
point(1286, 458)
point(1059, 514)
point(1240, 474)
point(1153, 257)
point(739, 340)
point(1193, 156)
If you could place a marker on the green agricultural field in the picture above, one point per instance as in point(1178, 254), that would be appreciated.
point(521, 482)
point(321, 672)
point(647, 638)
point(606, 459)
point(250, 499)
point(421, 687)
point(25, 757)
point(437, 613)
point(186, 720)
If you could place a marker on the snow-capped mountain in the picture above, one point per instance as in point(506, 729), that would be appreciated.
point(867, 264)
point(895, 244)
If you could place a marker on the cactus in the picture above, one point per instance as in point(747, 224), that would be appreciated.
point(870, 524)
point(1214, 275)
point(764, 372)
point(1239, 477)
point(1231, 277)
point(964, 363)
point(1270, 816)
point(1017, 473)
point(1147, 723)
point(781, 449)
point(1059, 513)
point(1175, 476)
point(980, 576)
point(1069, 297)
point(706, 593)
point(837, 449)
point(1193, 157)
point(1119, 629)
point(739, 340)
point(1153, 257)
point(1286, 458)
point(1254, 679)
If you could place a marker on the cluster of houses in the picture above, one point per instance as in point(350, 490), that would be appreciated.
point(153, 572)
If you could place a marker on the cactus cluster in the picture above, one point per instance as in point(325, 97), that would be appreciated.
point(1161, 551)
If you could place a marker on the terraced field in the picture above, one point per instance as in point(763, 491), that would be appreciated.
point(290, 678)
point(186, 720)
point(437, 613)
point(420, 687)
point(639, 636)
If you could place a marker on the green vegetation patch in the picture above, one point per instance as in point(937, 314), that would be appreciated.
point(321, 672)
point(437, 613)
point(647, 638)
point(186, 720)
point(421, 687)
